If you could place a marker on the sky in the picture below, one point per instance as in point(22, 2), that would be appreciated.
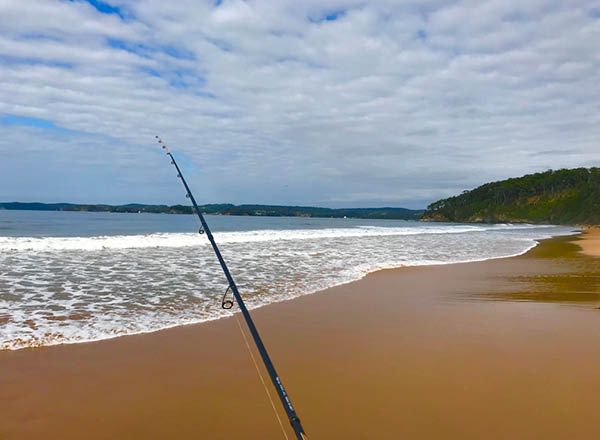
point(333, 103)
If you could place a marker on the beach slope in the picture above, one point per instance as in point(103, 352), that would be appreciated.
point(506, 348)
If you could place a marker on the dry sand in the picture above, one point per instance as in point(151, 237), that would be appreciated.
point(591, 243)
point(438, 352)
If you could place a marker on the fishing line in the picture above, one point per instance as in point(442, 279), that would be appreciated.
point(262, 379)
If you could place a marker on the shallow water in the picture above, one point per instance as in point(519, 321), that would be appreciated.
point(73, 277)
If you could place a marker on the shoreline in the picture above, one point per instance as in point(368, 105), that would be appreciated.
point(417, 352)
point(577, 232)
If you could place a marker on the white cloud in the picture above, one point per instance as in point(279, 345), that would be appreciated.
point(270, 102)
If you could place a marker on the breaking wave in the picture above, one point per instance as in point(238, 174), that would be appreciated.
point(56, 290)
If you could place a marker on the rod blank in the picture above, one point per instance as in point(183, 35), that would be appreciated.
point(275, 379)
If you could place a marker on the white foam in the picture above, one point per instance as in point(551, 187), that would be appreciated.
point(176, 240)
point(54, 294)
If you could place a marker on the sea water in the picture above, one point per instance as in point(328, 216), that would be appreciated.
point(70, 277)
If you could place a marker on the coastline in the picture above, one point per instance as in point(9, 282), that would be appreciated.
point(417, 351)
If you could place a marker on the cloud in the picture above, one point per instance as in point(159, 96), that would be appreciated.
point(330, 102)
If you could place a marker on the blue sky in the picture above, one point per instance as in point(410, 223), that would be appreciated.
point(332, 103)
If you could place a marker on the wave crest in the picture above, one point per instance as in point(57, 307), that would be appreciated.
point(177, 240)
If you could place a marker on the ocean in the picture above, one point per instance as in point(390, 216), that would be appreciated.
point(68, 277)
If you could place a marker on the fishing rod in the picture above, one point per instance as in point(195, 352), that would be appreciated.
point(228, 304)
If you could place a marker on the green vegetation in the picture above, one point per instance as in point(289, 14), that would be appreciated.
point(558, 197)
point(229, 209)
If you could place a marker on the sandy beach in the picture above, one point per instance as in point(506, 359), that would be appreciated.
point(590, 245)
point(505, 348)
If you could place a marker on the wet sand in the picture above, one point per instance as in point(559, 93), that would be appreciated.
point(500, 349)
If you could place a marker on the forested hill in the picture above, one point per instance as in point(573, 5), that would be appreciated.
point(557, 197)
point(227, 209)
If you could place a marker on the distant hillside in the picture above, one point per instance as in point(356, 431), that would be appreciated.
point(557, 197)
point(228, 209)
